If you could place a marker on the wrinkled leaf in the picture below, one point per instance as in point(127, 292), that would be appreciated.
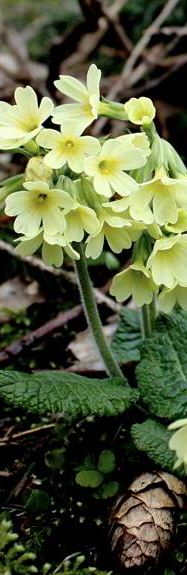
point(153, 438)
point(127, 339)
point(66, 392)
point(162, 371)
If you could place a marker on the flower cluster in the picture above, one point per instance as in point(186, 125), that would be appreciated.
point(130, 190)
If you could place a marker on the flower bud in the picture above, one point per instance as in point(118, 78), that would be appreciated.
point(37, 170)
point(140, 110)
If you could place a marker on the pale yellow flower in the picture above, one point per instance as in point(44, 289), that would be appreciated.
point(35, 205)
point(158, 196)
point(52, 248)
point(22, 121)
point(168, 261)
point(78, 215)
point(114, 229)
point(181, 223)
point(178, 441)
point(137, 140)
point(134, 281)
point(107, 168)
point(67, 146)
point(87, 108)
point(140, 110)
point(169, 297)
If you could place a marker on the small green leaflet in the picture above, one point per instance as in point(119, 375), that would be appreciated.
point(128, 338)
point(162, 371)
point(65, 392)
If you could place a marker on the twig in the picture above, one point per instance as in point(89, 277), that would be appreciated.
point(68, 276)
point(16, 348)
point(130, 75)
point(27, 432)
point(37, 263)
point(144, 40)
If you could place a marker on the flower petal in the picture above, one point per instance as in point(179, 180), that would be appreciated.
point(45, 109)
point(26, 100)
point(76, 162)
point(93, 80)
point(102, 185)
point(90, 145)
point(48, 138)
point(28, 223)
point(52, 255)
point(53, 220)
point(72, 87)
point(95, 245)
point(55, 159)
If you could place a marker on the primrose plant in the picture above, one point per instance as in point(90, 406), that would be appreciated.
point(78, 191)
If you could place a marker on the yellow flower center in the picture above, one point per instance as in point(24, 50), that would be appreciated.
point(41, 198)
point(29, 124)
point(69, 145)
point(104, 167)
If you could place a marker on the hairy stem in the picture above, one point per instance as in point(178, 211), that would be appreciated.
point(92, 314)
point(148, 317)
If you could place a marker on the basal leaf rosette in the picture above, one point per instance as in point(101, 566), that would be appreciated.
point(22, 121)
point(160, 196)
point(67, 146)
point(135, 281)
point(169, 297)
point(53, 247)
point(178, 441)
point(107, 168)
point(87, 97)
point(168, 261)
point(140, 111)
point(36, 205)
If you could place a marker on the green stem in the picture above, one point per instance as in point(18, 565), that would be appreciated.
point(112, 110)
point(146, 324)
point(153, 312)
point(92, 314)
point(148, 317)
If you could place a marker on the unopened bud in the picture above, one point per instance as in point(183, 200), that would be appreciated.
point(37, 170)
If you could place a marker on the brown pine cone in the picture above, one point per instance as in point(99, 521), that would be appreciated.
point(142, 521)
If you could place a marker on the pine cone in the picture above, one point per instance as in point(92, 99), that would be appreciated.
point(143, 519)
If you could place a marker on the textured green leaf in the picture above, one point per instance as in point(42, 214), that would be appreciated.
point(106, 462)
point(127, 339)
point(65, 392)
point(91, 478)
point(162, 371)
point(153, 438)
